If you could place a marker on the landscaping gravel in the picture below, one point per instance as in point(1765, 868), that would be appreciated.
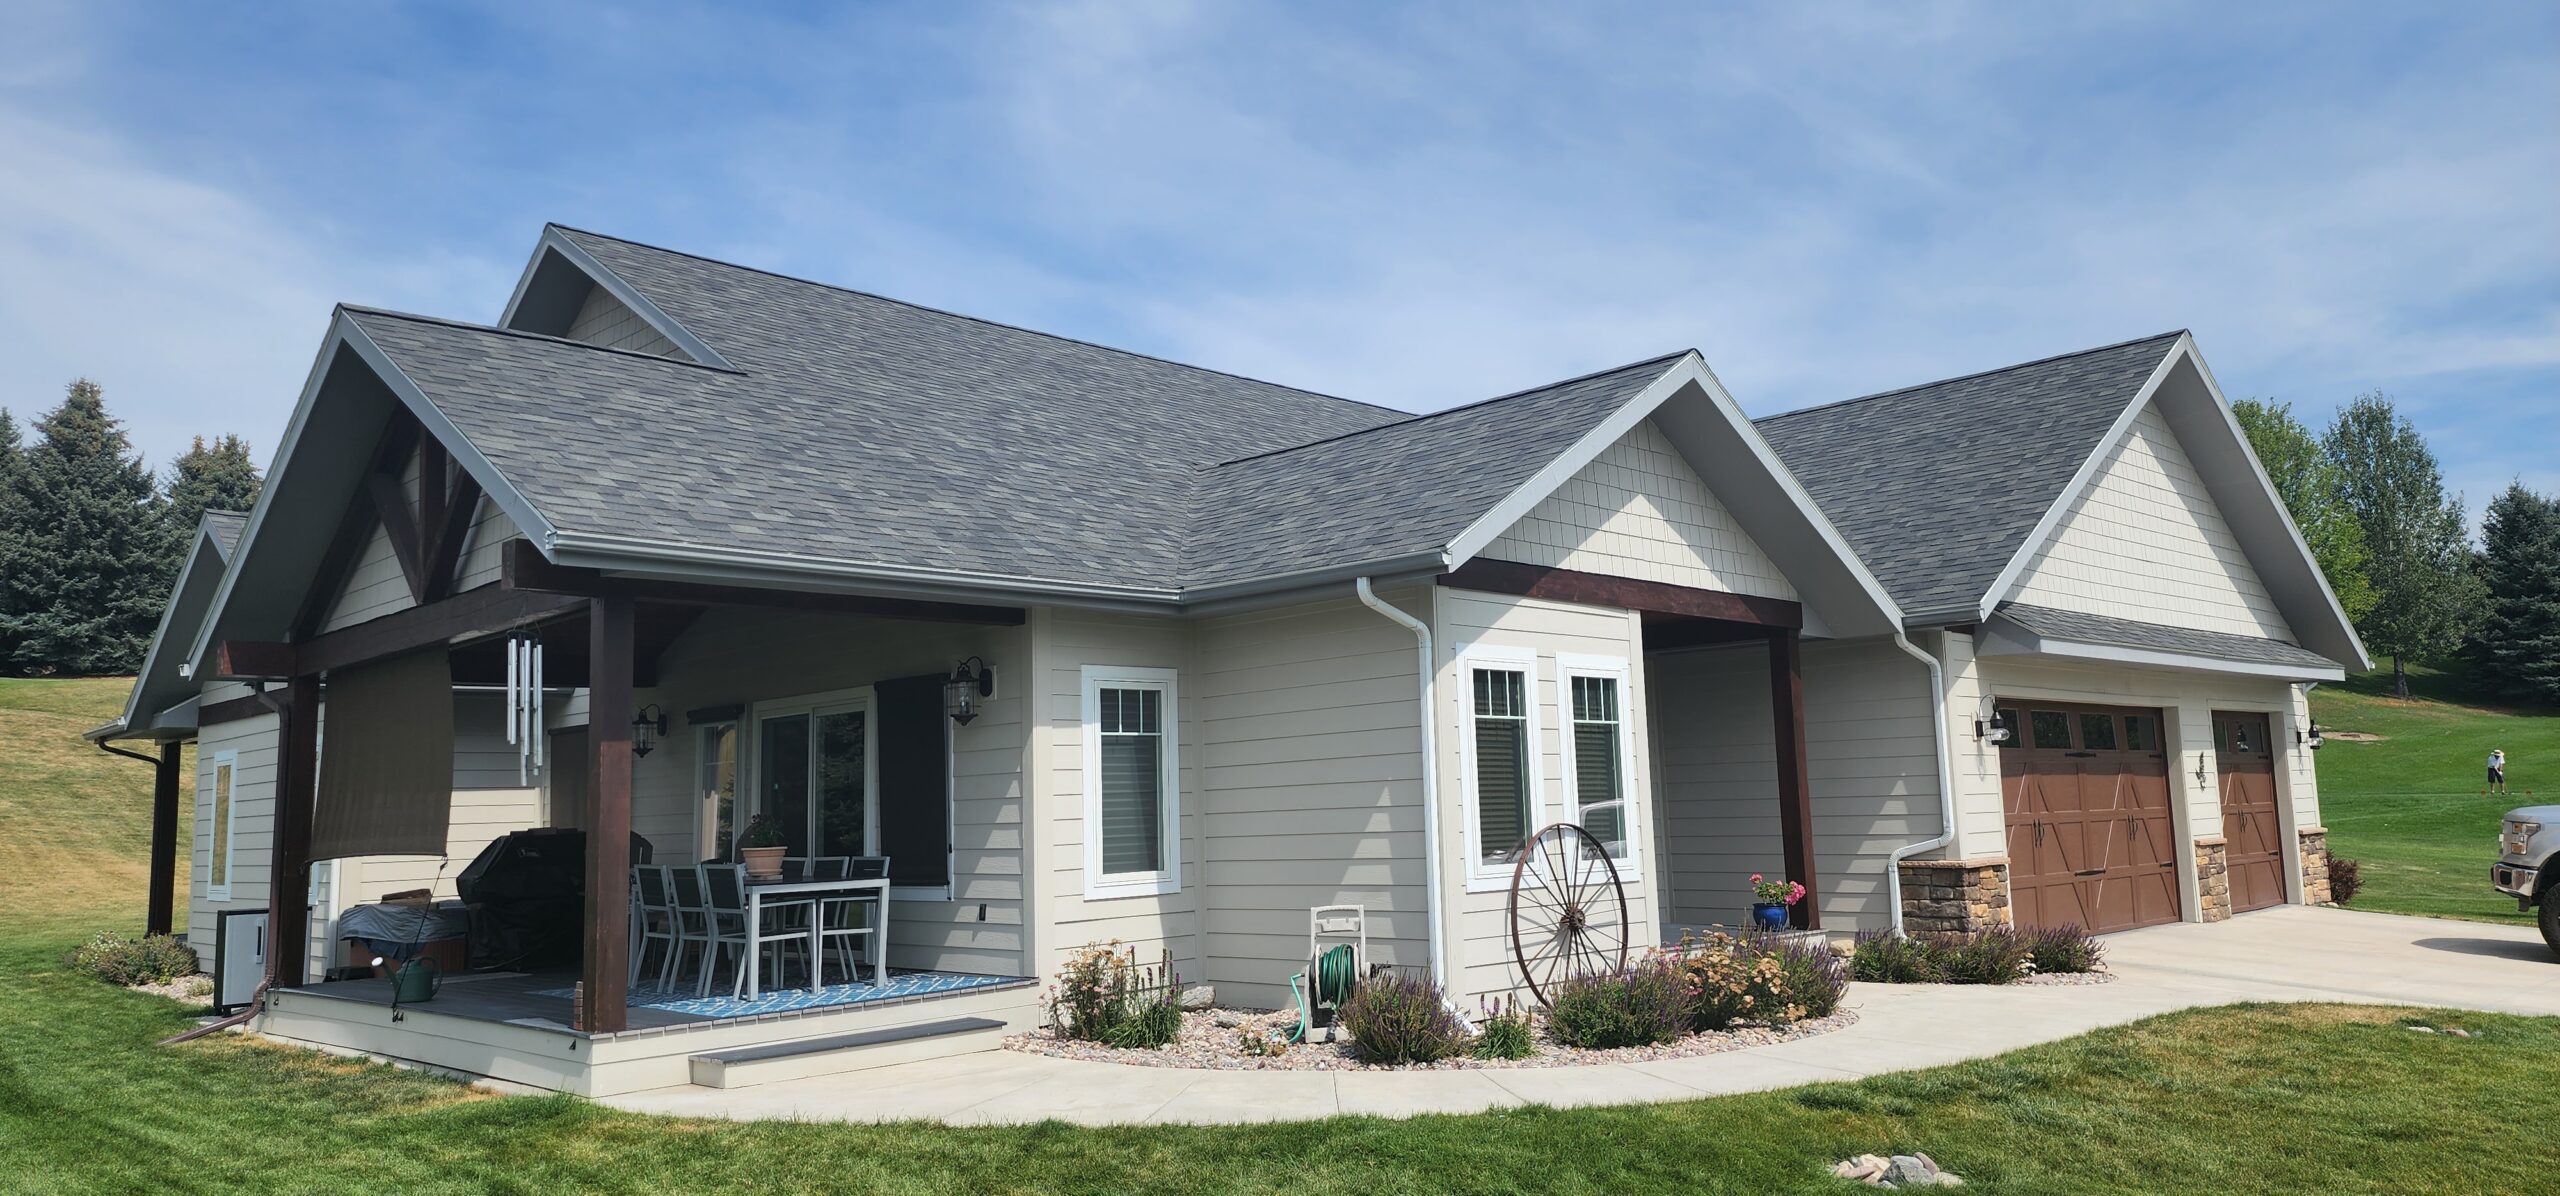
point(2065, 979)
point(1206, 1043)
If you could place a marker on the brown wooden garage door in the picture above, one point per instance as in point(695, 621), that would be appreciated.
point(2087, 791)
point(2253, 840)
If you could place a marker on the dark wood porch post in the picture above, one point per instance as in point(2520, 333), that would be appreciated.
point(610, 648)
point(289, 878)
point(1795, 793)
point(164, 840)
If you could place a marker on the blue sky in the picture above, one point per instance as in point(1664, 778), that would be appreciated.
point(1415, 205)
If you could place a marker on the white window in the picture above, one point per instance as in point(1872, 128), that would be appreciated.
point(816, 773)
point(1599, 755)
point(1499, 737)
point(225, 825)
point(1132, 789)
point(716, 766)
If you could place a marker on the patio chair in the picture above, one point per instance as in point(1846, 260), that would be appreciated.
point(654, 918)
point(691, 913)
point(850, 918)
point(726, 888)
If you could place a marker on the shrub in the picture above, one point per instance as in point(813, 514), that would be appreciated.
point(2346, 879)
point(2064, 949)
point(1815, 977)
point(1645, 1004)
point(1993, 956)
point(1503, 1032)
point(1727, 981)
point(1104, 996)
point(1883, 957)
point(157, 959)
point(1397, 1018)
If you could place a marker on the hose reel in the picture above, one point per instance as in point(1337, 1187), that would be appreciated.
point(1332, 971)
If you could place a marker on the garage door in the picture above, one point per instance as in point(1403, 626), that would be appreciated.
point(2087, 790)
point(2253, 841)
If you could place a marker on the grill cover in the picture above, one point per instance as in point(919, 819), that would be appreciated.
point(527, 890)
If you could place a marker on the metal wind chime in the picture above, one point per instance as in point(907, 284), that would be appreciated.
point(524, 703)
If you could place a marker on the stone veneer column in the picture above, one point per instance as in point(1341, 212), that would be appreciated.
point(1955, 896)
point(2213, 878)
point(2315, 865)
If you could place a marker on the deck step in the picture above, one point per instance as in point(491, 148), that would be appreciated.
point(742, 1066)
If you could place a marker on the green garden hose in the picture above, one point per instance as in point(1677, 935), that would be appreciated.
point(1335, 972)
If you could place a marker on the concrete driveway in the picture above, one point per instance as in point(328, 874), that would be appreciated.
point(2285, 954)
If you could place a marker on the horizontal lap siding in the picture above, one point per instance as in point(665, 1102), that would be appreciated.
point(1638, 510)
point(484, 551)
point(604, 320)
point(375, 586)
point(253, 790)
point(1155, 924)
point(1872, 768)
point(1481, 952)
point(2147, 543)
point(1716, 782)
point(737, 655)
point(1312, 765)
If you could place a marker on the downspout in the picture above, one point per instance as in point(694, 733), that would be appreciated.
point(1946, 782)
point(1430, 772)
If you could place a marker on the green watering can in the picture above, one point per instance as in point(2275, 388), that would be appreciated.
point(416, 981)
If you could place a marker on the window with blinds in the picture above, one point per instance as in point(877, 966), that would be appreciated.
point(1132, 806)
point(1501, 763)
point(1598, 788)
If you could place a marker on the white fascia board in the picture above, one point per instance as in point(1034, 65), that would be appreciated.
point(615, 285)
point(1689, 370)
point(2002, 638)
point(2079, 484)
point(2229, 424)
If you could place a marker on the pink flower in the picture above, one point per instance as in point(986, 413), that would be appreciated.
point(1755, 878)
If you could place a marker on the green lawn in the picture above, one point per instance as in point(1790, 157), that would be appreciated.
point(2412, 807)
point(2241, 1099)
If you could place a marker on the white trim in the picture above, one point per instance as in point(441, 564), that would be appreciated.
point(1098, 885)
point(2004, 638)
point(2078, 485)
point(836, 701)
point(229, 838)
point(1631, 802)
point(1481, 876)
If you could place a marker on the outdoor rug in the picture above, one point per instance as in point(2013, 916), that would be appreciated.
point(721, 1004)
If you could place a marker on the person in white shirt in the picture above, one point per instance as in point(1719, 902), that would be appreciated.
point(2498, 770)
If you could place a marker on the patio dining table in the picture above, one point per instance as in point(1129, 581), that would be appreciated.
point(817, 891)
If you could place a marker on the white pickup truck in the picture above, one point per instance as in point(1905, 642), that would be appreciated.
point(2528, 839)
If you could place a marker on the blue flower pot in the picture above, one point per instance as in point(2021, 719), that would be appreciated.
point(1769, 915)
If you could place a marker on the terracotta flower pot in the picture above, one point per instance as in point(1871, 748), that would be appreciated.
point(763, 863)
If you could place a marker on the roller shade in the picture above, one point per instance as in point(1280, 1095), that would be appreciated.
point(915, 785)
point(386, 759)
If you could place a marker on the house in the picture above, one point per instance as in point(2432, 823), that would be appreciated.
point(1096, 646)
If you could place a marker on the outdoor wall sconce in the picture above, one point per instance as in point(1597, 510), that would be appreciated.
point(2200, 772)
point(2312, 740)
point(1990, 729)
point(649, 724)
point(973, 679)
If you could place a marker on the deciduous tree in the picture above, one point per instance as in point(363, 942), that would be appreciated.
point(2425, 598)
point(2309, 484)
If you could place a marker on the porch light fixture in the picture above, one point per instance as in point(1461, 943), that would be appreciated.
point(2311, 740)
point(649, 721)
point(971, 680)
point(1988, 727)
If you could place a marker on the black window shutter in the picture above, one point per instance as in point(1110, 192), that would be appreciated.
point(915, 787)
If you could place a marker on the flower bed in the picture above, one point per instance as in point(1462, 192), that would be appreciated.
point(1215, 1039)
point(2055, 956)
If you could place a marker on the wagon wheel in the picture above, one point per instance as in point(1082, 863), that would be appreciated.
point(1568, 910)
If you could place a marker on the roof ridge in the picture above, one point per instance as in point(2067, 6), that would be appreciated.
point(956, 315)
point(499, 330)
point(2045, 360)
point(1419, 417)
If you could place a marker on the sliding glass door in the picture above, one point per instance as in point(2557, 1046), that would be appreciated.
point(814, 774)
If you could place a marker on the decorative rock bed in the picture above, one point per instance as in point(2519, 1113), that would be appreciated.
point(1214, 1039)
point(2065, 979)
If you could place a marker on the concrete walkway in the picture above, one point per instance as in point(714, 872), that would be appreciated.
point(2285, 954)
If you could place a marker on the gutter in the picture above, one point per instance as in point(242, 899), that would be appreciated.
point(1430, 775)
point(1946, 782)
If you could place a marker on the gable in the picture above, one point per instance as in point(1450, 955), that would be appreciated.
point(374, 584)
point(2147, 542)
point(1639, 510)
point(607, 321)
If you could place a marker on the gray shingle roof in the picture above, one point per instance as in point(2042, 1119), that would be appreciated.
point(1937, 486)
point(2100, 629)
point(863, 431)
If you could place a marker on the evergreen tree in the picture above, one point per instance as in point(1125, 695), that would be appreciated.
point(13, 470)
point(2516, 652)
point(2425, 597)
point(87, 566)
point(210, 477)
point(2313, 492)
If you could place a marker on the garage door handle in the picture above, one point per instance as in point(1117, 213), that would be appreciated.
point(2080, 753)
point(2039, 834)
point(2090, 872)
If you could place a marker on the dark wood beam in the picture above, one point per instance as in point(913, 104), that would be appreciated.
point(444, 550)
point(471, 614)
point(1795, 789)
point(164, 840)
point(249, 660)
point(233, 711)
point(526, 569)
point(433, 491)
point(289, 860)
point(1627, 593)
point(390, 453)
point(401, 525)
point(606, 950)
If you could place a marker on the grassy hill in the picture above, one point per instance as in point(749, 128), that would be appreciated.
point(2411, 804)
point(75, 822)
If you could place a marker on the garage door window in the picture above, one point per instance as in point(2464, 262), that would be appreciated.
point(2052, 729)
point(2141, 733)
point(2098, 732)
